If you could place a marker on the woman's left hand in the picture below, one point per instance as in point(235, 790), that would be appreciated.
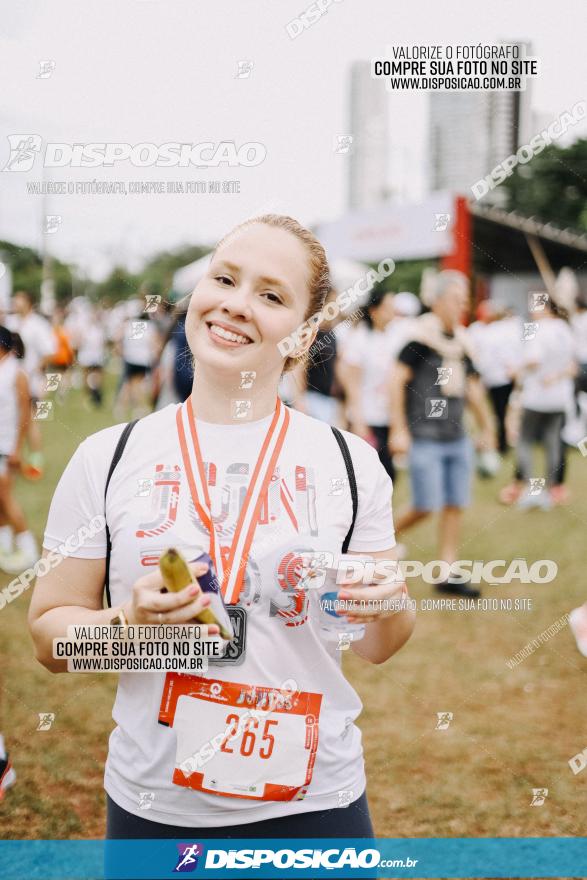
point(383, 596)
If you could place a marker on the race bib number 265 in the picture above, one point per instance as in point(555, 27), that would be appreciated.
point(241, 740)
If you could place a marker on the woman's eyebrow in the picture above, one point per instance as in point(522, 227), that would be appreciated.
point(232, 267)
point(275, 282)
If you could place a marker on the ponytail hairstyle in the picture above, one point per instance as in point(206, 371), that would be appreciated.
point(319, 283)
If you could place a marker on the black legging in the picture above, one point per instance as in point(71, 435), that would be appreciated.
point(560, 472)
point(381, 433)
point(351, 821)
point(499, 396)
point(341, 822)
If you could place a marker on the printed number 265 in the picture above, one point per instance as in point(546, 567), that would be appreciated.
point(249, 737)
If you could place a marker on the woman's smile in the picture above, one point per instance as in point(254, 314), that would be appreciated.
point(227, 335)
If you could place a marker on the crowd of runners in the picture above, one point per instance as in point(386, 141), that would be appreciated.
point(398, 372)
point(441, 387)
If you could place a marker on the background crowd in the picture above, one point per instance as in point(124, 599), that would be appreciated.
point(442, 387)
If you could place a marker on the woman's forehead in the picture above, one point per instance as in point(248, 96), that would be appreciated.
point(266, 250)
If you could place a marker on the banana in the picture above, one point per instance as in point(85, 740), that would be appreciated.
point(175, 570)
point(177, 575)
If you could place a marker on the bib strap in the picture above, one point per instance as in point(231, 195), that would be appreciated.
point(126, 432)
point(352, 483)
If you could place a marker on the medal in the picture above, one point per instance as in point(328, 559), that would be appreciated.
point(231, 561)
point(235, 650)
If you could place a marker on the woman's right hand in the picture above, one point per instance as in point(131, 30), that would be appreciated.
point(148, 605)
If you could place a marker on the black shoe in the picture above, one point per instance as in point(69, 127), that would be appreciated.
point(458, 588)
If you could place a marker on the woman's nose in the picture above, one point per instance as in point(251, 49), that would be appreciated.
point(238, 301)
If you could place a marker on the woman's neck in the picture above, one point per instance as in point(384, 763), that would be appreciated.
point(217, 401)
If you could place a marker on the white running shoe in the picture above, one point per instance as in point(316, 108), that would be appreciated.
point(17, 562)
point(526, 501)
point(530, 501)
point(578, 625)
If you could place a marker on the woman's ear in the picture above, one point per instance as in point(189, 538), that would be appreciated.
point(307, 335)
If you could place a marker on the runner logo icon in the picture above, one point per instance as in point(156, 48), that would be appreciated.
point(188, 857)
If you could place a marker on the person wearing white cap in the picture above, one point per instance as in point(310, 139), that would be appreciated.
point(406, 304)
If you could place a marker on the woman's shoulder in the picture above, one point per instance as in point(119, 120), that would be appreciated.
point(317, 435)
point(154, 425)
point(361, 451)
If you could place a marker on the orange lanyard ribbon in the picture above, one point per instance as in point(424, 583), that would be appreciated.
point(230, 575)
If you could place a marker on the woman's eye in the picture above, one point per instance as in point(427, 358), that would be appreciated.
point(223, 279)
point(273, 297)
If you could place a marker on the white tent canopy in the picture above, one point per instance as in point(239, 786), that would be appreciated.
point(346, 273)
point(186, 278)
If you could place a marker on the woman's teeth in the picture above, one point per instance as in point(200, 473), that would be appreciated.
point(227, 334)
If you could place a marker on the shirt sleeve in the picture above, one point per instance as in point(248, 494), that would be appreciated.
point(76, 523)
point(413, 354)
point(373, 529)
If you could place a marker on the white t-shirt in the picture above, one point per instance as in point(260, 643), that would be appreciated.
point(9, 414)
point(307, 507)
point(497, 350)
point(139, 342)
point(553, 350)
point(39, 343)
point(579, 327)
point(91, 346)
point(374, 351)
point(341, 332)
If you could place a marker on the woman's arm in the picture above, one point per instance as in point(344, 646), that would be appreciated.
point(386, 630)
point(476, 398)
point(24, 416)
point(399, 436)
point(70, 594)
point(351, 379)
point(569, 372)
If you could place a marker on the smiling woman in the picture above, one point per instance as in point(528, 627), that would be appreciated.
point(268, 275)
point(248, 480)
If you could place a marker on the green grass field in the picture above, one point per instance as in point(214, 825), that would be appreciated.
point(513, 729)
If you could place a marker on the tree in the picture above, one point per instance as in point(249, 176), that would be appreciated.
point(120, 284)
point(158, 272)
point(407, 275)
point(26, 265)
point(552, 187)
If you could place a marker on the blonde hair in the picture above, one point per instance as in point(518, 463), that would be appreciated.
point(319, 283)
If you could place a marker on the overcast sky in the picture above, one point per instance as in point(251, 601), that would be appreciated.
point(135, 71)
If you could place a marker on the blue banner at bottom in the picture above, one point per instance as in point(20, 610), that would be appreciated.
point(380, 858)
